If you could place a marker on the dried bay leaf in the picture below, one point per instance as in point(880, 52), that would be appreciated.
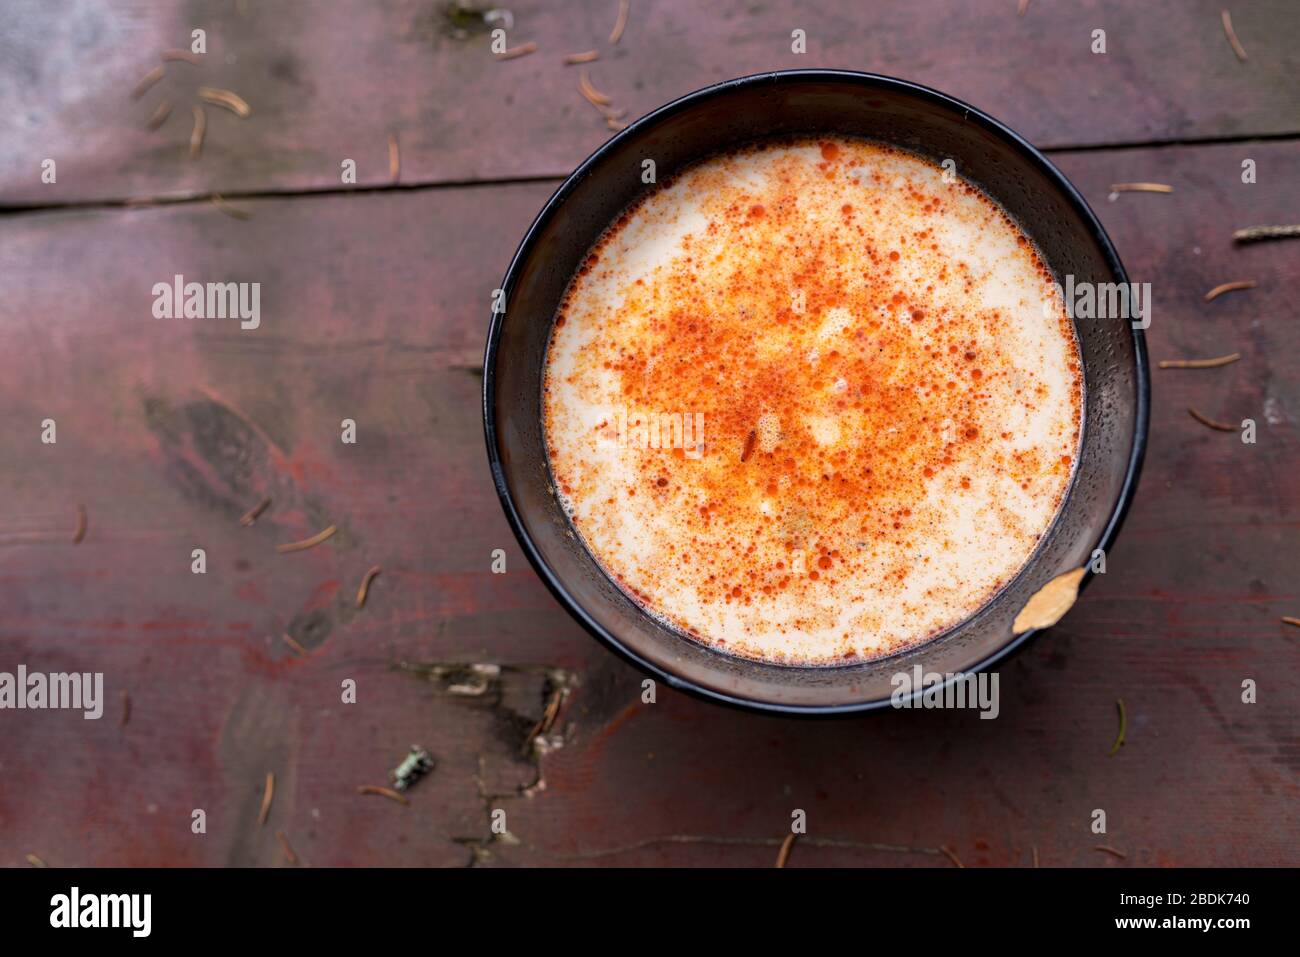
point(1050, 603)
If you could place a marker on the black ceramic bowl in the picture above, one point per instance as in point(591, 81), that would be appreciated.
point(719, 118)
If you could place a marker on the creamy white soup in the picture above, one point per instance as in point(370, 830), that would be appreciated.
point(813, 402)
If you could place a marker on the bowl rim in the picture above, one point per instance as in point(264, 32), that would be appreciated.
point(868, 81)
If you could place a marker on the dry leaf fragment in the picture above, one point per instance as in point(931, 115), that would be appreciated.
point(383, 792)
point(589, 91)
point(1237, 48)
point(610, 115)
point(225, 98)
point(289, 855)
point(268, 794)
point(1050, 603)
point(515, 52)
point(200, 127)
point(1141, 188)
point(1218, 291)
point(787, 845)
point(624, 8)
point(293, 643)
point(1211, 423)
point(306, 543)
point(1200, 363)
point(251, 516)
point(147, 82)
point(1123, 726)
point(160, 115)
point(364, 590)
point(1255, 233)
point(546, 721)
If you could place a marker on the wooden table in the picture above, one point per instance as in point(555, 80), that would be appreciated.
point(375, 299)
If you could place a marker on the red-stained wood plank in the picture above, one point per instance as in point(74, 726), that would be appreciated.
point(168, 431)
point(374, 308)
point(329, 81)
